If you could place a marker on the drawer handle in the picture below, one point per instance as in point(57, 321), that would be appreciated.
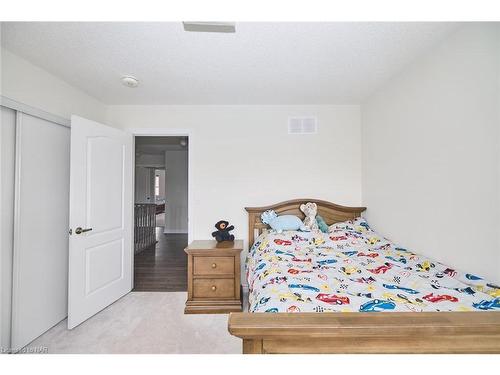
point(214, 265)
point(214, 288)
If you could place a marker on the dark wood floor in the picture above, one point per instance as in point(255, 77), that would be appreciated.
point(162, 268)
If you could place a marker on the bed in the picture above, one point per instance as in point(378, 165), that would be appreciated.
point(354, 291)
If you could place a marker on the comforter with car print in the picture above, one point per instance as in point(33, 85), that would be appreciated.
point(352, 268)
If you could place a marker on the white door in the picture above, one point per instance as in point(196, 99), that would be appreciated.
point(100, 245)
point(7, 175)
point(40, 256)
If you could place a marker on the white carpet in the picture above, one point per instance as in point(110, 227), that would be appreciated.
point(144, 322)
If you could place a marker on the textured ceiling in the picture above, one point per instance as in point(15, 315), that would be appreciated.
point(262, 63)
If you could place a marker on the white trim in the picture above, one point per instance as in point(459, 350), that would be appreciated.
point(4, 336)
point(175, 231)
point(159, 132)
point(6, 289)
point(151, 165)
point(16, 261)
point(166, 132)
point(132, 217)
point(32, 111)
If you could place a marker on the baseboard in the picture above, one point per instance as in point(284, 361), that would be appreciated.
point(175, 231)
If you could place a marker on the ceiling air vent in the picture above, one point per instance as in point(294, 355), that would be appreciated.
point(302, 125)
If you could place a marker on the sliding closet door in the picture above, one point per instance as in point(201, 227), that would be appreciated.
point(7, 156)
point(39, 299)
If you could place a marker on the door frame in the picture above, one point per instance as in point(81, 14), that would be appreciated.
point(164, 132)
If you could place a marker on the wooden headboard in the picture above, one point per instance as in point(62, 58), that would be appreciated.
point(331, 213)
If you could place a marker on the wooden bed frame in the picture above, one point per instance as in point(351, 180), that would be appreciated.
point(383, 332)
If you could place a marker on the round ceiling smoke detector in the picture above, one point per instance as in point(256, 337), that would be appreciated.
point(130, 81)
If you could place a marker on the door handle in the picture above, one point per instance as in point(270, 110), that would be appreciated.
point(80, 230)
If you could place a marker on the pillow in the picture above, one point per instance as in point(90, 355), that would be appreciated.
point(322, 225)
point(358, 225)
point(283, 222)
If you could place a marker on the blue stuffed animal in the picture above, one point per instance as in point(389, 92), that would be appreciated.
point(322, 225)
point(283, 222)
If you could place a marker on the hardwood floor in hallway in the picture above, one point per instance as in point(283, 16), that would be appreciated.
point(163, 267)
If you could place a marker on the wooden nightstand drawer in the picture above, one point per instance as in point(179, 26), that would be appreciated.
point(214, 271)
point(213, 265)
point(213, 288)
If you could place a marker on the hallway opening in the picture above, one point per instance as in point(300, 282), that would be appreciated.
point(161, 213)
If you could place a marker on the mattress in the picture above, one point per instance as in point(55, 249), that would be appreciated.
point(355, 269)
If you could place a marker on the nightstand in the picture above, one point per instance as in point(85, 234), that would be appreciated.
point(214, 284)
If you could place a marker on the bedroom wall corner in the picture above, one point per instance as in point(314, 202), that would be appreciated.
point(431, 153)
point(498, 125)
point(31, 85)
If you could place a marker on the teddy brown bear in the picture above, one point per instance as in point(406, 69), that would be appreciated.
point(310, 210)
point(222, 232)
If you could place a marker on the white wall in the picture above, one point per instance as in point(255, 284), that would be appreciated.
point(31, 85)
point(144, 185)
point(176, 191)
point(431, 158)
point(242, 156)
point(145, 165)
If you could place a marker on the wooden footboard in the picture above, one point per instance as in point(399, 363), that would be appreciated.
point(426, 332)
